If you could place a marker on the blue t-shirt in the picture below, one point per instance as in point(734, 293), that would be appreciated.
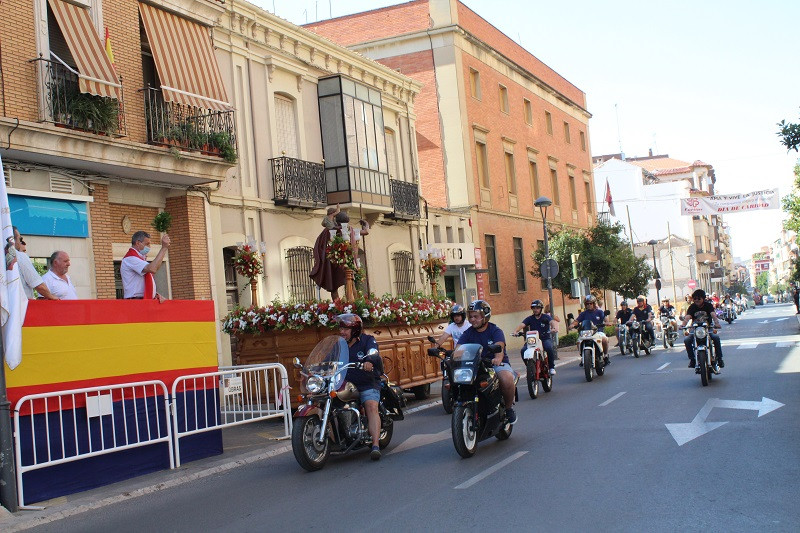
point(597, 317)
point(362, 379)
point(541, 324)
point(642, 314)
point(491, 335)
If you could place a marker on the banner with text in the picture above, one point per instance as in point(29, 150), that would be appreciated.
point(731, 203)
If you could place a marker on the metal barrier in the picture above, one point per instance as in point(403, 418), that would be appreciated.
point(74, 424)
point(242, 394)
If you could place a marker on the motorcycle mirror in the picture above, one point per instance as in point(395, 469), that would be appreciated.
point(372, 352)
point(606, 312)
point(297, 363)
point(433, 352)
point(570, 317)
point(432, 339)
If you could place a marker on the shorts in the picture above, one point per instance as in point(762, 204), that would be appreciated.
point(505, 367)
point(370, 394)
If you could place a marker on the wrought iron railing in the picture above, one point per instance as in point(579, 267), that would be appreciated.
point(405, 199)
point(62, 102)
point(189, 127)
point(298, 183)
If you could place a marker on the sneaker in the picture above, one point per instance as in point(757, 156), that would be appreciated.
point(552, 371)
point(511, 416)
point(720, 362)
point(692, 363)
point(606, 360)
point(375, 454)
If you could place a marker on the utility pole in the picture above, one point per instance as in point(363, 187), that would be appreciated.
point(671, 264)
point(630, 228)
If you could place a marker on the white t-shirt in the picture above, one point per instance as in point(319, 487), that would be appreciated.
point(61, 289)
point(130, 271)
point(27, 273)
point(455, 330)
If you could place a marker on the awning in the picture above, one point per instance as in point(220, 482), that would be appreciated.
point(184, 60)
point(96, 74)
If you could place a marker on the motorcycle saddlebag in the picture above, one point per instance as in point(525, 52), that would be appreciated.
point(393, 401)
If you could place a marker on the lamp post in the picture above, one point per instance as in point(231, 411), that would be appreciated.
point(543, 202)
point(652, 244)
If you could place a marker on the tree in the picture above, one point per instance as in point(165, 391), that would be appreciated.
point(762, 282)
point(790, 135)
point(791, 204)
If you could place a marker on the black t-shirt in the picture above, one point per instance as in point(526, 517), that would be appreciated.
point(666, 310)
point(707, 308)
point(642, 314)
point(624, 315)
point(362, 379)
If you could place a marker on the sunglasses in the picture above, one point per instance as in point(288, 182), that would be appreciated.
point(697, 299)
point(22, 241)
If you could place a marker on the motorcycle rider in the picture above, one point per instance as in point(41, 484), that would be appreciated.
point(364, 350)
point(486, 333)
point(727, 300)
point(623, 315)
point(714, 299)
point(699, 303)
point(644, 313)
point(596, 315)
point(544, 324)
point(458, 325)
point(668, 310)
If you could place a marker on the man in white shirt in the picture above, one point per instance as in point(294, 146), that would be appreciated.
point(138, 276)
point(27, 272)
point(57, 279)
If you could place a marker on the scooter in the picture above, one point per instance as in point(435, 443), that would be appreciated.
point(536, 366)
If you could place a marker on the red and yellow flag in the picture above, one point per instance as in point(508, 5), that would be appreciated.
point(109, 52)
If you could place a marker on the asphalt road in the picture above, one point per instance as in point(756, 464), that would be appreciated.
point(596, 456)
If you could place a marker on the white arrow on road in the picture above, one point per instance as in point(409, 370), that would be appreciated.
point(415, 441)
point(764, 322)
point(683, 433)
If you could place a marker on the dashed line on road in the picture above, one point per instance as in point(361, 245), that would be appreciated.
point(489, 471)
point(611, 399)
point(662, 367)
point(748, 346)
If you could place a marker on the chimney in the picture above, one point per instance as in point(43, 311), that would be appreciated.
point(651, 152)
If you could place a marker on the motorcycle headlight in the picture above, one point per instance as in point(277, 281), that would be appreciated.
point(585, 334)
point(635, 324)
point(700, 332)
point(664, 320)
point(462, 375)
point(314, 384)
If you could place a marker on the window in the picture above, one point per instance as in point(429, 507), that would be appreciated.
point(286, 126)
point(461, 235)
point(589, 201)
point(519, 264)
point(528, 111)
point(573, 195)
point(491, 263)
point(475, 83)
point(391, 154)
point(548, 122)
point(566, 133)
point(503, 99)
point(403, 272)
point(533, 172)
point(511, 173)
point(583, 141)
point(483, 164)
point(448, 231)
point(299, 261)
point(231, 289)
point(437, 234)
point(554, 185)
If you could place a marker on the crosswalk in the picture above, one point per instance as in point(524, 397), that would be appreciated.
point(766, 345)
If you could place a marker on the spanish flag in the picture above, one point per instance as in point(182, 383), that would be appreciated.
point(109, 52)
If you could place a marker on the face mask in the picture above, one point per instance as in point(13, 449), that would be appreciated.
point(145, 251)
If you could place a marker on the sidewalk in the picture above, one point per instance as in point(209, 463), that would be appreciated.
point(242, 445)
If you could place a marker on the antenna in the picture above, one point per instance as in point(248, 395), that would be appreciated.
point(655, 143)
point(619, 135)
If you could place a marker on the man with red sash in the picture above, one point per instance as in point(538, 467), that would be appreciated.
point(138, 276)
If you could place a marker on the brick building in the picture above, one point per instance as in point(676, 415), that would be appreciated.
point(496, 129)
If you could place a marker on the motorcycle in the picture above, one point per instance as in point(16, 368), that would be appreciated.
point(591, 349)
point(669, 334)
point(480, 411)
point(448, 401)
point(536, 364)
point(728, 313)
point(332, 420)
point(703, 348)
point(640, 340)
point(625, 344)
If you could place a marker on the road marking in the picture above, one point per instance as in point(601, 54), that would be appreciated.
point(612, 398)
point(748, 346)
point(790, 364)
point(415, 441)
point(662, 367)
point(683, 433)
point(785, 344)
point(489, 471)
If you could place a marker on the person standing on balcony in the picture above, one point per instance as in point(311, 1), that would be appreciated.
point(57, 279)
point(31, 280)
point(138, 276)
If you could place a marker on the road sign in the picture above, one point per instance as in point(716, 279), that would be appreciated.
point(549, 268)
point(658, 284)
point(692, 284)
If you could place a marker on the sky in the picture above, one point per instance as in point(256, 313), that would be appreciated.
point(705, 80)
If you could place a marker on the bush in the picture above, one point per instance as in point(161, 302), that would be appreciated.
point(610, 331)
point(570, 339)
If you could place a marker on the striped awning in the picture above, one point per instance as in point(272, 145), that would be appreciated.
point(96, 74)
point(184, 60)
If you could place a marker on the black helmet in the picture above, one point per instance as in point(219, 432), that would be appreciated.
point(483, 307)
point(350, 320)
point(458, 310)
point(537, 303)
point(624, 302)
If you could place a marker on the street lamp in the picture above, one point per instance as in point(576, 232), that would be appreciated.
point(543, 202)
point(652, 244)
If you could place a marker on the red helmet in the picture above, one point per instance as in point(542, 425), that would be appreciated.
point(352, 321)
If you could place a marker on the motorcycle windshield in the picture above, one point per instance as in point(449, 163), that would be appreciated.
point(328, 356)
point(587, 325)
point(466, 354)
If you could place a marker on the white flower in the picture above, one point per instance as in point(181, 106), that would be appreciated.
point(365, 313)
point(323, 319)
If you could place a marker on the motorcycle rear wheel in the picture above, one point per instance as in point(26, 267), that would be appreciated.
point(587, 363)
point(465, 436)
point(447, 400)
point(386, 434)
point(533, 383)
point(309, 453)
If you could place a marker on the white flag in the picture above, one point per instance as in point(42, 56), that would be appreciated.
point(13, 302)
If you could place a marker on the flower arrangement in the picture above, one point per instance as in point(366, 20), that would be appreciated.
point(433, 266)
point(407, 310)
point(340, 252)
point(247, 262)
point(162, 222)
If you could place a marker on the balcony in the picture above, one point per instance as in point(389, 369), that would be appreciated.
point(189, 128)
point(298, 183)
point(62, 103)
point(405, 199)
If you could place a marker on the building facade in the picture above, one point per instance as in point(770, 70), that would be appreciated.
point(496, 129)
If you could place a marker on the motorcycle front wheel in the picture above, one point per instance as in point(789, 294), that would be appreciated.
point(309, 453)
point(635, 347)
point(665, 340)
point(622, 347)
point(533, 383)
point(587, 364)
point(465, 436)
point(647, 347)
point(703, 370)
point(447, 399)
